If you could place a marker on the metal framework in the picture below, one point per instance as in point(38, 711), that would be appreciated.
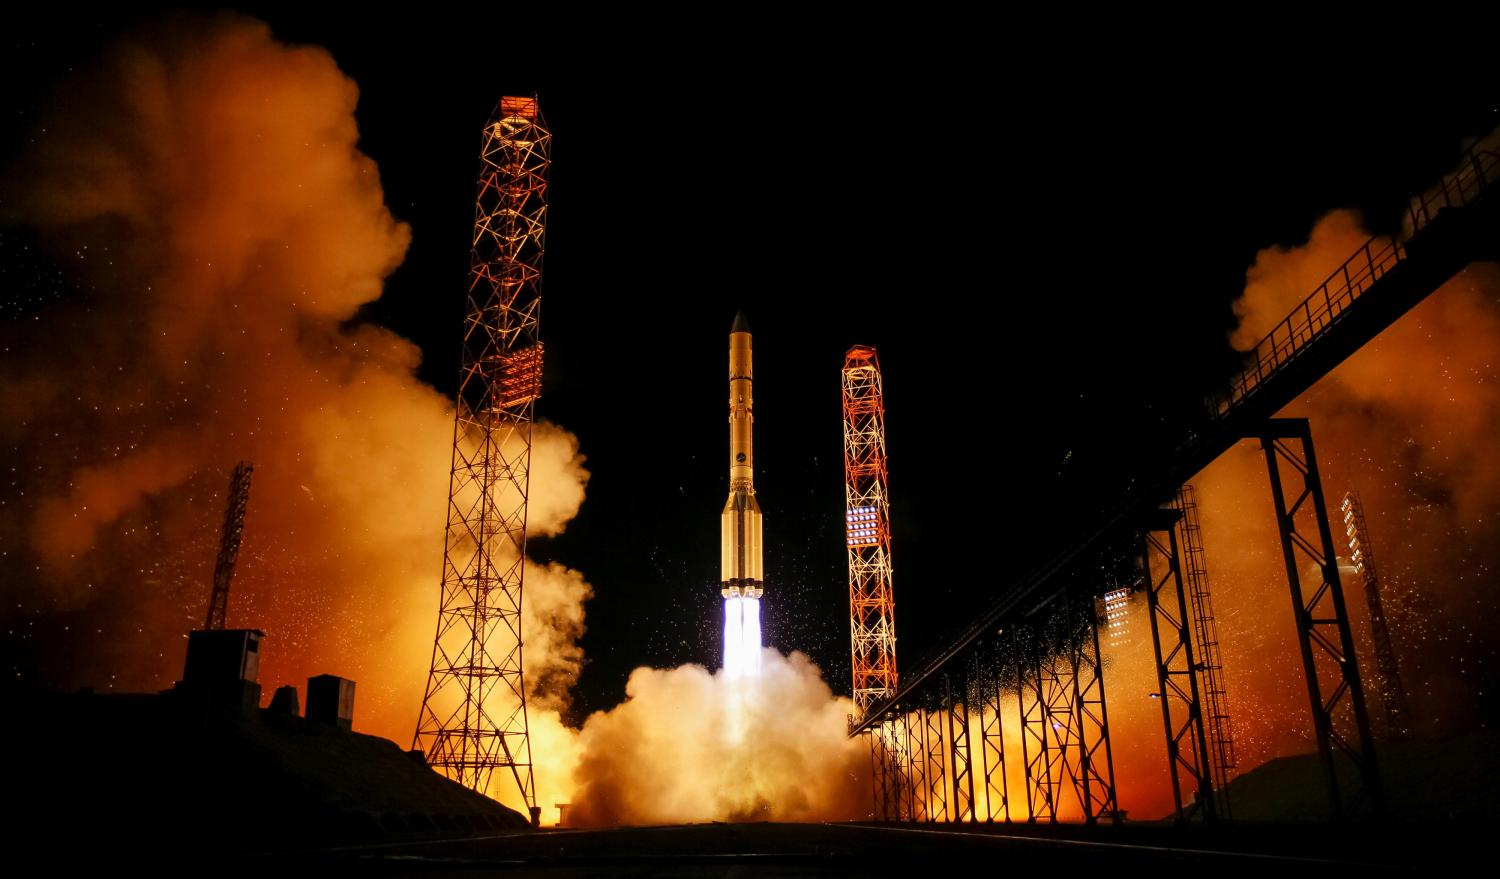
point(1064, 724)
point(1176, 672)
point(872, 605)
point(229, 544)
point(960, 754)
point(1035, 752)
point(473, 718)
point(1340, 723)
point(1221, 758)
point(1447, 228)
point(916, 766)
point(1096, 791)
point(1392, 693)
point(1335, 299)
point(890, 766)
point(933, 739)
point(989, 691)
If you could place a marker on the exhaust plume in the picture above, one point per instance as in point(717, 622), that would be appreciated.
point(206, 187)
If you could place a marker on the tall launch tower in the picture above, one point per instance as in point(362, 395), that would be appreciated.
point(473, 718)
point(740, 546)
point(872, 605)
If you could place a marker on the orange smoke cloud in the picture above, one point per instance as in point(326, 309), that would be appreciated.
point(207, 184)
point(1407, 421)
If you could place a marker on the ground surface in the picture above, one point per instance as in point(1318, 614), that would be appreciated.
point(842, 849)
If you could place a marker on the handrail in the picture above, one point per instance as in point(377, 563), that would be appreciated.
point(1475, 178)
point(1476, 175)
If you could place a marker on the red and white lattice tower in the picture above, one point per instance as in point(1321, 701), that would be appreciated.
point(872, 607)
point(473, 717)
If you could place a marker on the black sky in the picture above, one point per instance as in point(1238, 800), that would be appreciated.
point(1041, 231)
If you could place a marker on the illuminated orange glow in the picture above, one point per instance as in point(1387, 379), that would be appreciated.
point(245, 229)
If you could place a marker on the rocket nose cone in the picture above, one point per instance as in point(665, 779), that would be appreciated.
point(740, 324)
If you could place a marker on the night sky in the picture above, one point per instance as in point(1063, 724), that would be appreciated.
point(1042, 244)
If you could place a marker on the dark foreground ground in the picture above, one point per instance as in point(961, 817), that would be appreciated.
point(844, 849)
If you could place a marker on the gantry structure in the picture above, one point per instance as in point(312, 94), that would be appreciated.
point(473, 717)
point(867, 530)
point(1036, 642)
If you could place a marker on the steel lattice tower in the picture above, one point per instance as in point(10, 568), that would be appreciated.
point(229, 544)
point(473, 718)
point(872, 606)
point(1388, 672)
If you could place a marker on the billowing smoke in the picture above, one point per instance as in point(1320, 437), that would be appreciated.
point(691, 745)
point(1409, 422)
point(205, 187)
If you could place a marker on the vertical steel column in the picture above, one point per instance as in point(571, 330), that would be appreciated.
point(1057, 688)
point(992, 741)
point(917, 760)
point(1033, 705)
point(1176, 673)
point(1096, 792)
point(886, 772)
point(962, 776)
point(937, 791)
point(896, 774)
point(1322, 619)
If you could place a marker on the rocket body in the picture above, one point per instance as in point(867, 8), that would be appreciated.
point(740, 567)
point(741, 579)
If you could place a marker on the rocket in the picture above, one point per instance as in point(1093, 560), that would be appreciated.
point(742, 582)
point(741, 559)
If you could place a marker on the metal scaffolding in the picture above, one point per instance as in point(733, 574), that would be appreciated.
point(956, 706)
point(916, 766)
point(473, 718)
point(990, 688)
point(1340, 724)
point(1031, 695)
point(872, 605)
point(1221, 759)
point(1176, 673)
point(1093, 771)
point(1449, 226)
point(937, 790)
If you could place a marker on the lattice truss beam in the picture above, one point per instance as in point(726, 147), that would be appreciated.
point(473, 719)
point(944, 759)
point(988, 677)
point(1341, 726)
point(1178, 690)
point(872, 606)
point(1065, 745)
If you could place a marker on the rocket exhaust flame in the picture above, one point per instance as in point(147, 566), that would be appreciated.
point(742, 637)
